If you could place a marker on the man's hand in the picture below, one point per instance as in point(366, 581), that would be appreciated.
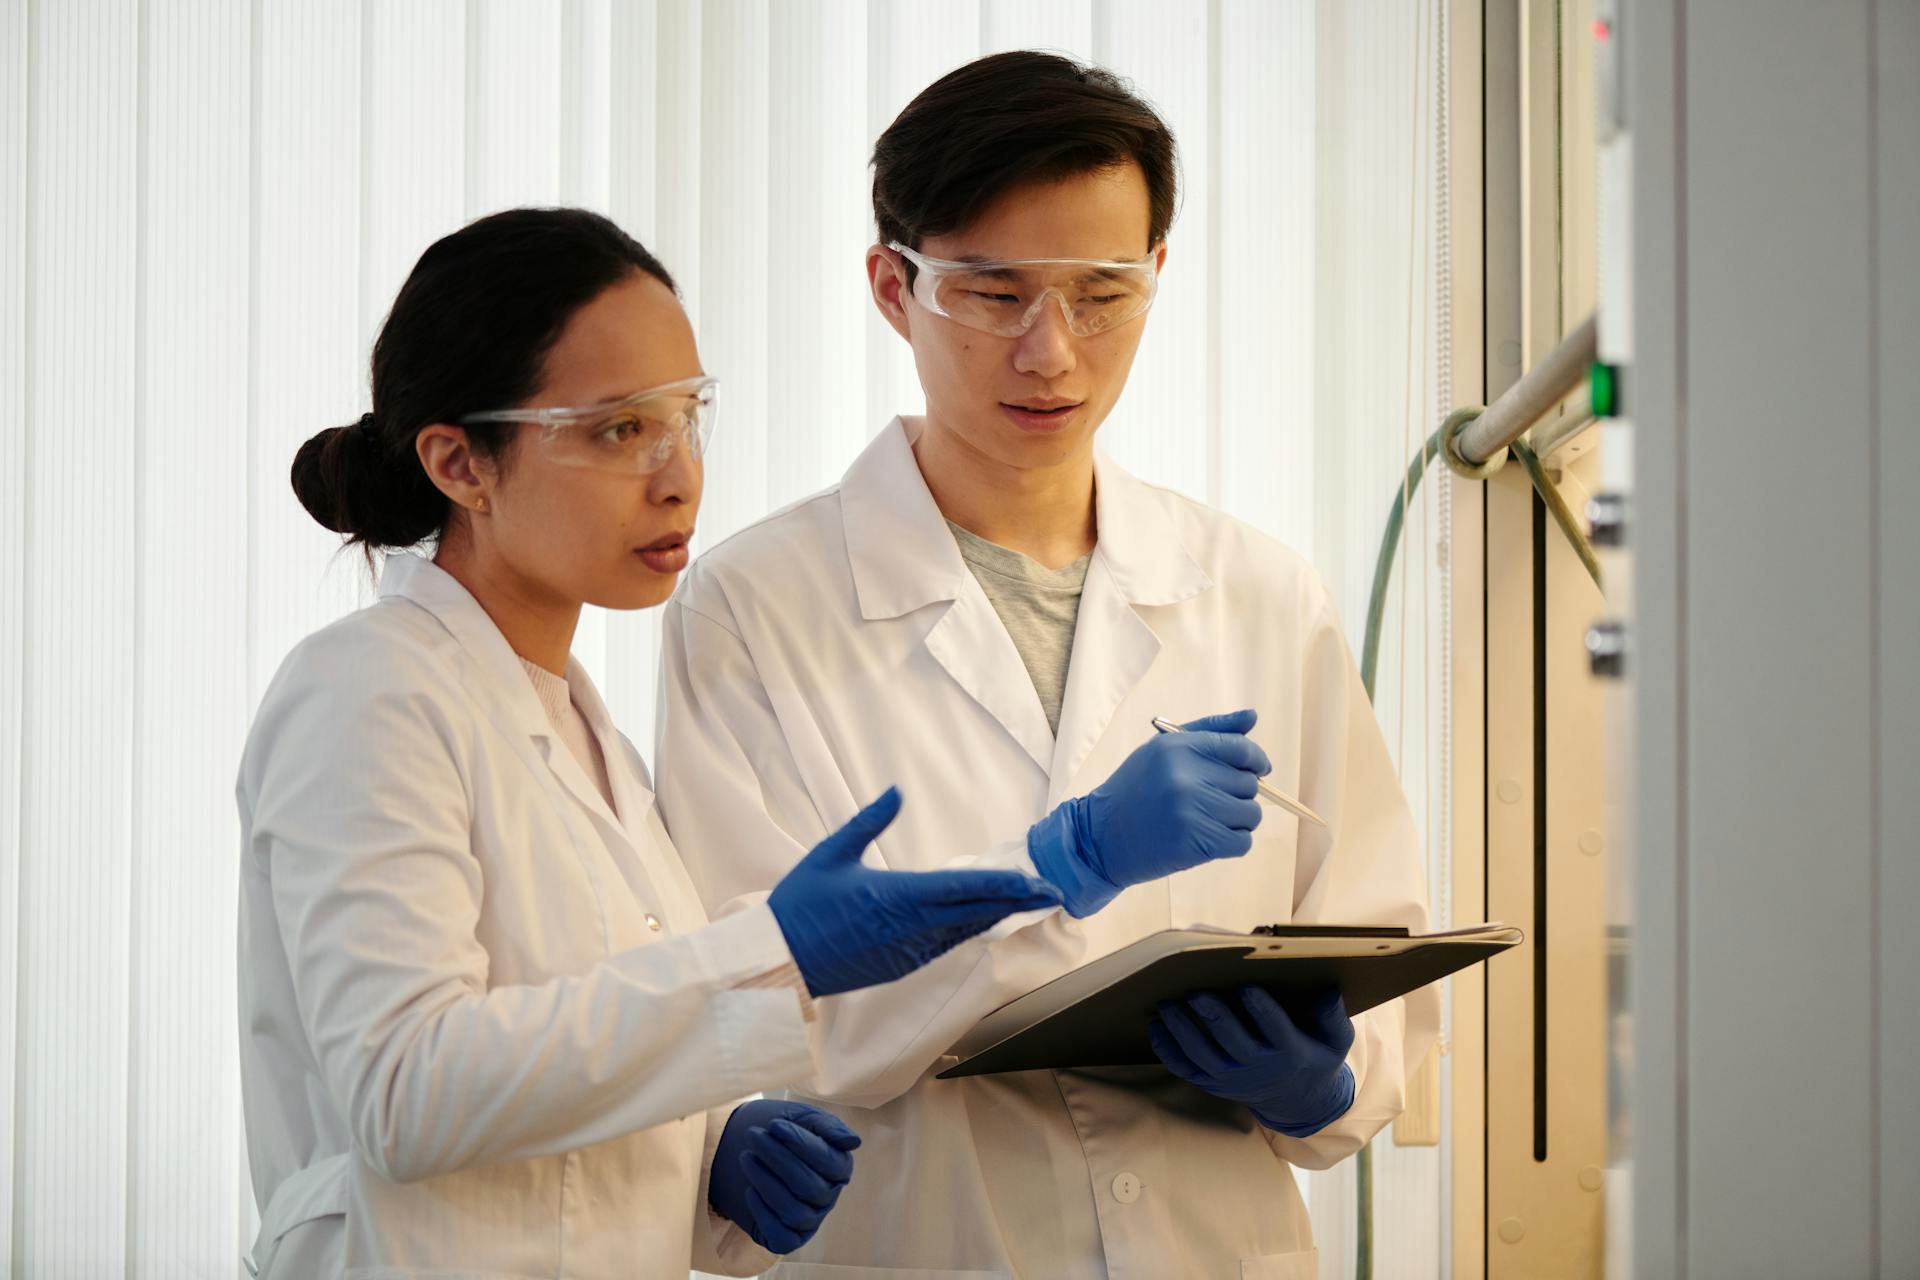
point(1290, 1072)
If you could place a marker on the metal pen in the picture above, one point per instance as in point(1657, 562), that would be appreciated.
point(1267, 789)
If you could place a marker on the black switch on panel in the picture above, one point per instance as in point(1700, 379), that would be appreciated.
point(1607, 519)
point(1607, 649)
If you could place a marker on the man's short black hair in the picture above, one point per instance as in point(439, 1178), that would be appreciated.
point(1008, 119)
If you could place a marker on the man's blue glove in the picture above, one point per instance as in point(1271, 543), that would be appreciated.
point(778, 1169)
point(1290, 1072)
point(1179, 800)
point(849, 925)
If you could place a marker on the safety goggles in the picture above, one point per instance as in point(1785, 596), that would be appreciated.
point(637, 433)
point(1094, 294)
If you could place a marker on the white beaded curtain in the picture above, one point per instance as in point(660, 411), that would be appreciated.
point(208, 206)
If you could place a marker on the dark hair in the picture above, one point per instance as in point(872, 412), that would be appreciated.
point(1009, 119)
point(469, 331)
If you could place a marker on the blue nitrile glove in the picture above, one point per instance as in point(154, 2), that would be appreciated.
point(778, 1169)
point(1179, 800)
point(1292, 1073)
point(849, 925)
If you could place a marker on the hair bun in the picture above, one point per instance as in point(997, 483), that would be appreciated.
point(346, 481)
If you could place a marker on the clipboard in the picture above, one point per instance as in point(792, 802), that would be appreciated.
point(1097, 1015)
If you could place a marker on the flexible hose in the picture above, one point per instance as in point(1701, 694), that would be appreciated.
point(1441, 444)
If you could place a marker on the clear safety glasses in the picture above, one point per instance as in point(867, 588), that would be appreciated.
point(638, 433)
point(1004, 298)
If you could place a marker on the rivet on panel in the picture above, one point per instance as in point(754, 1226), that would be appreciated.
point(1590, 1178)
point(1590, 841)
point(1511, 1229)
point(1509, 791)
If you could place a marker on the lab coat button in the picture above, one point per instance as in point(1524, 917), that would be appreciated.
point(1126, 1188)
point(653, 922)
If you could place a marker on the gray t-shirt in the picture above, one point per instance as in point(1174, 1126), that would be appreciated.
point(1037, 605)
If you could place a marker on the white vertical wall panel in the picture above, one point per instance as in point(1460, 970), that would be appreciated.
point(734, 256)
point(636, 79)
point(1368, 218)
point(678, 181)
point(514, 90)
point(910, 45)
point(415, 149)
point(15, 83)
point(1062, 26)
point(1165, 424)
point(70, 1101)
point(586, 90)
point(817, 241)
point(1263, 347)
point(309, 369)
point(191, 713)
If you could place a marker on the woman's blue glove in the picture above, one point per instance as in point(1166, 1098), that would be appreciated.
point(778, 1169)
point(849, 925)
point(1290, 1072)
point(1179, 800)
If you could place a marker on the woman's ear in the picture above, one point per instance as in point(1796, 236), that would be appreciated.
point(454, 467)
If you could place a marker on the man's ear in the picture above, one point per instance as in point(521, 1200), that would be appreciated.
point(887, 281)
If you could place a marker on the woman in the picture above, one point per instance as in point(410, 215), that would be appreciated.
point(484, 1020)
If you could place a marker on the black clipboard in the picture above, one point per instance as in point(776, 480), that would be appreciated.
point(1097, 1015)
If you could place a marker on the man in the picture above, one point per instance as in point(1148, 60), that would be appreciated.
point(989, 614)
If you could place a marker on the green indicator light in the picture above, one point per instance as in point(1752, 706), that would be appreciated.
point(1603, 380)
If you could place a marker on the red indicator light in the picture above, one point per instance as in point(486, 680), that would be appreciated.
point(1602, 29)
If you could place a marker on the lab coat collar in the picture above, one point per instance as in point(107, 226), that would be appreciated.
point(420, 581)
point(1149, 563)
point(904, 557)
point(507, 690)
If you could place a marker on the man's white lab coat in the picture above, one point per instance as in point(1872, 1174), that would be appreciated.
point(482, 1015)
point(841, 646)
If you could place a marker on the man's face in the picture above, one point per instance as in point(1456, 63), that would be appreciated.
point(1032, 400)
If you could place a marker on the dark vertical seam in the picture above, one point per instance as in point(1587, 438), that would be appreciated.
point(1538, 511)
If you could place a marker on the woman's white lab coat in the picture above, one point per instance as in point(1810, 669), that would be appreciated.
point(483, 1016)
point(842, 646)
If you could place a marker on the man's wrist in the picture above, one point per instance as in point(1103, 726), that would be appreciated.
point(1053, 844)
point(1338, 1106)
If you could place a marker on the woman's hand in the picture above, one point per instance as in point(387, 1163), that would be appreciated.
point(778, 1169)
point(849, 925)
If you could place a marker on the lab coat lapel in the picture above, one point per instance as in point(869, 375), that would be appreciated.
point(581, 787)
point(904, 558)
point(632, 789)
point(500, 684)
point(1138, 563)
point(973, 645)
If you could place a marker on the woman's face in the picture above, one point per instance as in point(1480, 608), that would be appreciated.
point(612, 536)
